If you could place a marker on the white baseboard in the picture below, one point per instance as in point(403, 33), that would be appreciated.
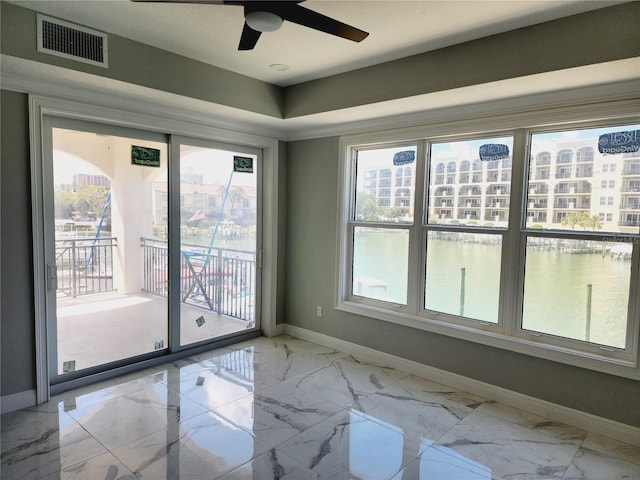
point(17, 401)
point(586, 421)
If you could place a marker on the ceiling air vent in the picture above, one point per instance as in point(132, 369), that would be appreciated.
point(57, 37)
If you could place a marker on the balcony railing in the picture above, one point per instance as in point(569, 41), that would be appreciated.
point(539, 190)
point(219, 279)
point(222, 280)
point(573, 191)
point(630, 206)
point(85, 266)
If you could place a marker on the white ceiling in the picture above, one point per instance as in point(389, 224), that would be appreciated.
point(398, 28)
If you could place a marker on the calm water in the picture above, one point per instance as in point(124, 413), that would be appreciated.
point(556, 291)
point(245, 242)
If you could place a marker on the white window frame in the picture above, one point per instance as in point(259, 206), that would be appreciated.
point(507, 333)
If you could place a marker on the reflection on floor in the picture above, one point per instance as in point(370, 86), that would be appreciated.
point(283, 408)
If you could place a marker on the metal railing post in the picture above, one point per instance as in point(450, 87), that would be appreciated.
point(219, 279)
point(74, 287)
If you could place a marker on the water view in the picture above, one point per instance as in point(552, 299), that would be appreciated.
point(573, 289)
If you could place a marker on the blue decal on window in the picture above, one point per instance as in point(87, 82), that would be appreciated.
point(404, 158)
point(493, 151)
point(619, 142)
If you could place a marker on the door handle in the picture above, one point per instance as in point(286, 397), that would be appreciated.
point(52, 277)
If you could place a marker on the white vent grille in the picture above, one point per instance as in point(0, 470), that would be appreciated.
point(63, 39)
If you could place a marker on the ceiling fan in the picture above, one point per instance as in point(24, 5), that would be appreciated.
point(267, 16)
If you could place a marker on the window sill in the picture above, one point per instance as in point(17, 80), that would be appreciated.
point(487, 334)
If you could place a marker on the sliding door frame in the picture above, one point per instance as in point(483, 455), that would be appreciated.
point(175, 241)
point(41, 107)
point(47, 165)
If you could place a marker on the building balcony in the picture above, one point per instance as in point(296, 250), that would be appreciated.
point(470, 216)
point(471, 192)
point(539, 190)
point(630, 206)
point(574, 191)
point(571, 206)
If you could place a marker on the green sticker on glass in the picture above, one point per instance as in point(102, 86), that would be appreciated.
point(69, 366)
point(242, 164)
point(146, 157)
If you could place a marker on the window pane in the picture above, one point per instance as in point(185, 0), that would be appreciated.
point(577, 289)
point(569, 177)
point(384, 185)
point(218, 225)
point(463, 274)
point(467, 189)
point(380, 264)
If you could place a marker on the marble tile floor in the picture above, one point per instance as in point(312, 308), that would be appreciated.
point(282, 408)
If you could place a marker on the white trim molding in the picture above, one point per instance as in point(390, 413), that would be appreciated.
point(586, 421)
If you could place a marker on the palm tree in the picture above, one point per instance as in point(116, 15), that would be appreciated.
point(235, 195)
point(570, 220)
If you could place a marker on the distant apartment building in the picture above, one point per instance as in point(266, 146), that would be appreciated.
point(567, 178)
point(83, 180)
point(206, 201)
point(392, 187)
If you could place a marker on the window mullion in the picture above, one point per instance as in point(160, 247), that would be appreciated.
point(416, 250)
point(511, 287)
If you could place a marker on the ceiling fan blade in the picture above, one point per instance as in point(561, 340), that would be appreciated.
point(303, 16)
point(203, 2)
point(249, 38)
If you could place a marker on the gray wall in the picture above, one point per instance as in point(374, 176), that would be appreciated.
point(310, 172)
point(598, 36)
point(17, 318)
point(312, 185)
point(141, 64)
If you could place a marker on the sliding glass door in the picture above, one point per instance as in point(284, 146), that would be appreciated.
point(151, 245)
point(219, 239)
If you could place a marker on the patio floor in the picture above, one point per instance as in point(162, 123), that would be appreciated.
point(97, 329)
